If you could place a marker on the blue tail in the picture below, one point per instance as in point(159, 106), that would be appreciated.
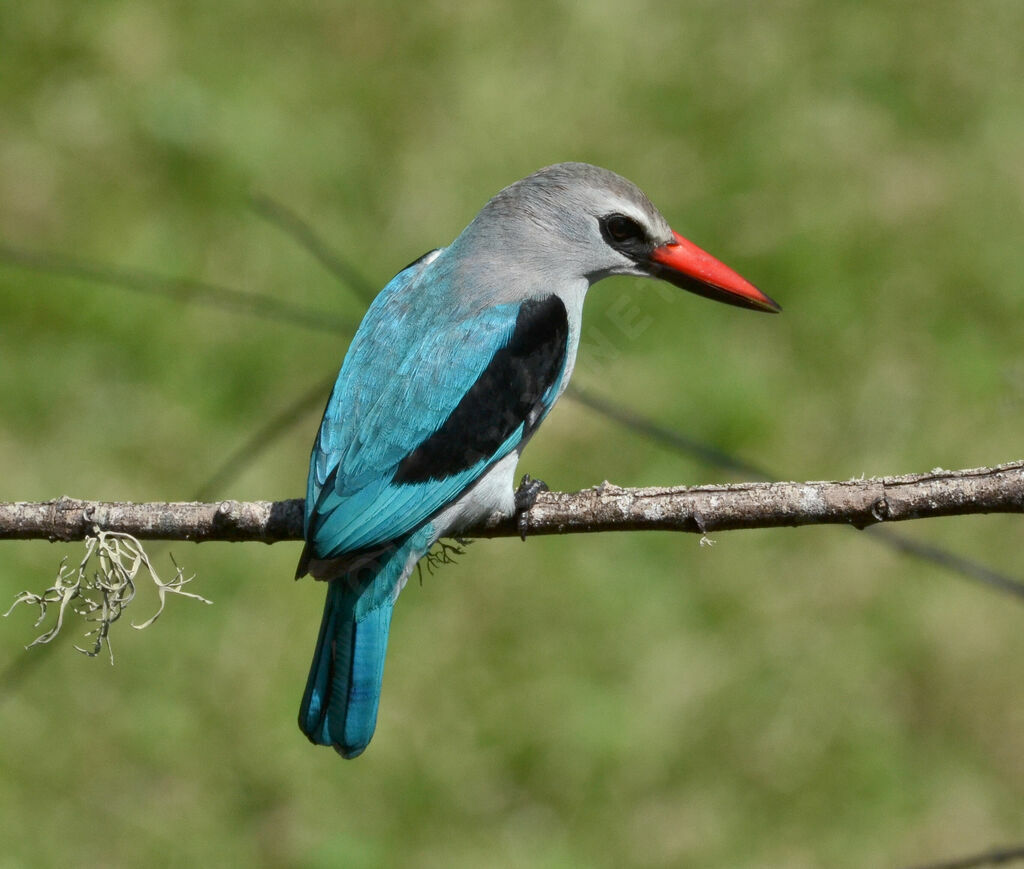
point(339, 706)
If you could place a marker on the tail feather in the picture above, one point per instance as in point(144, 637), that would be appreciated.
point(339, 706)
point(352, 710)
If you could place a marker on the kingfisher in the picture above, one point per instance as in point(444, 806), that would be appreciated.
point(457, 362)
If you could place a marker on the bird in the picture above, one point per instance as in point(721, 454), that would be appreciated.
point(456, 363)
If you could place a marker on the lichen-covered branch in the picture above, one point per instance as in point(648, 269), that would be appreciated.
point(67, 519)
point(696, 509)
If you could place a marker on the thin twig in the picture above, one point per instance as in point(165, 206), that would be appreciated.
point(675, 440)
point(992, 857)
point(291, 224)
point(262, 438)
point(180, 289)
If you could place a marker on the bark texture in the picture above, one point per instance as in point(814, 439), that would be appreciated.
point(695, 509)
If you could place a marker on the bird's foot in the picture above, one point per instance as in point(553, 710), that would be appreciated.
point(525, 498)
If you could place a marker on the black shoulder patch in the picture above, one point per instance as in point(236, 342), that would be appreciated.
point(506, 395)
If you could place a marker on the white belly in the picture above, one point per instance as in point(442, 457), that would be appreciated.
point(493, 493)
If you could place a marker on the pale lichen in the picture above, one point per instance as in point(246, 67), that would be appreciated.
point(100, 588)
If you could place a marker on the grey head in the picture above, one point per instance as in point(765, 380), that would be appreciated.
point(573, 220)
point(569, 225)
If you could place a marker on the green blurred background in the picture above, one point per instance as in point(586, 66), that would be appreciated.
point(792, 698)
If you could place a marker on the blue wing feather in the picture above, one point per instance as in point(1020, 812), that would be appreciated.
point(384, 510)
point(401, 378)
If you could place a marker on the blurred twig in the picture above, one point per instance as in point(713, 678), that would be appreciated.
point(947, 560)
point(669, 437)
point(262, 438)
point(993, 857)
point(179, 289)
point(889, 537)
point(291, 224)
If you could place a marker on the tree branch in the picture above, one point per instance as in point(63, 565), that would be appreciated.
point(697, 509)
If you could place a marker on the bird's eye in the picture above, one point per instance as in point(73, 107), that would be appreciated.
point(621, 228)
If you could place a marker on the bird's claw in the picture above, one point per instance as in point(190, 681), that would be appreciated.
point(525, 498)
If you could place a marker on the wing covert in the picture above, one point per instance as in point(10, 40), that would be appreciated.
point(428, 398)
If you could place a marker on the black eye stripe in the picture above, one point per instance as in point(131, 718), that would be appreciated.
point(625, 235)
point(622, 228)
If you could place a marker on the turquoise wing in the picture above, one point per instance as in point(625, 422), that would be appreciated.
point(430, 395)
